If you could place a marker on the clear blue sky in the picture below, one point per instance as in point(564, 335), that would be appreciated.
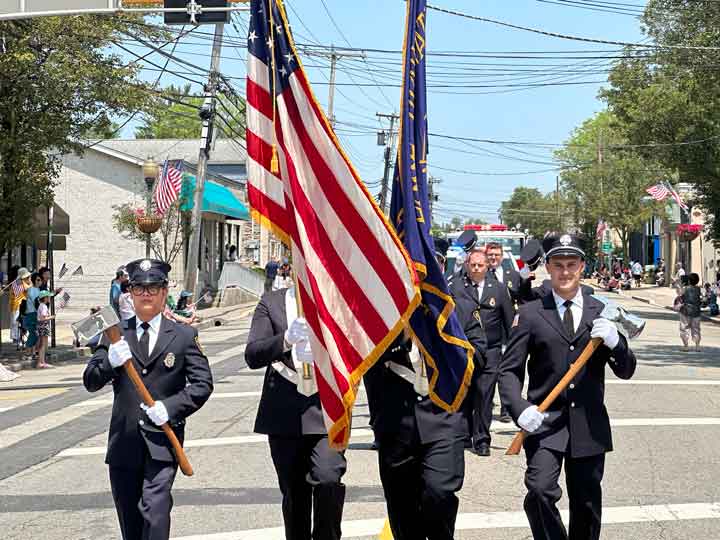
point(540, 114)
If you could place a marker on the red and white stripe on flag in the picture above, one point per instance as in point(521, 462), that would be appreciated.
point(659, 192)
point(168, 188)
point(356, 283)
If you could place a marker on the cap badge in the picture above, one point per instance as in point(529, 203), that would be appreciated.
point(169, 360)
point(565, 240)
point(145, 265)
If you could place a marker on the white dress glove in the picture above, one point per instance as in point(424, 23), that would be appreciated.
point(297, 331)
point(531, 419)
point(119, 353)
point(525, 272)
point(303, 352)
point(157, 413)
point(607, 331)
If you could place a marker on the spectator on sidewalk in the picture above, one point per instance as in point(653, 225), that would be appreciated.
point(677, 280)
point(232, 254)
point(690, 312)
point(43, 327)
point(44, 273)
point(125, 302)
point(711, 300)
point(30, 318)
point(637, 272)
point(115, 291)
point(22, 276)
point(271, 270)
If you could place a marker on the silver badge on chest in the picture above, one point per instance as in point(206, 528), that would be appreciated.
point(169, 360)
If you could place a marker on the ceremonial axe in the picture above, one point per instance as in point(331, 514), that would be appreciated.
point(106, 321)
point(628, 325)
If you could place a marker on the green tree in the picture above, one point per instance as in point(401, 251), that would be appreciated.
point(176, 116)
point(607, 180)
point(58, 79)
point(669, 99)
point(532, 209)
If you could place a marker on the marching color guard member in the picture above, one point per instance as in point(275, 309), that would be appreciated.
point(488, 299)
point(309, 471)
point(550, 335)
point(176, 372)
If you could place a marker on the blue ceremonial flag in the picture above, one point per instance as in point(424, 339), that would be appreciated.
point(435, 325)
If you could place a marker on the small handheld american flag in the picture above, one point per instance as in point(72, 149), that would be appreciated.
point(63, 300)
point(17, 287)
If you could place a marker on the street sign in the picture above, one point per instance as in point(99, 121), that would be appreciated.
point(607, 247)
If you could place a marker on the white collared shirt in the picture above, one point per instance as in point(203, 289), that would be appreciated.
point(154, 330)
point(577, 307)
point(499, 274)
point(480, 287)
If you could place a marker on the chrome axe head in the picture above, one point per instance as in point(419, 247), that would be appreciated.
point(629, 325)
point(95, 324)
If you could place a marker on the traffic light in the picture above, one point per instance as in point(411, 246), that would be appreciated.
point(196, 7)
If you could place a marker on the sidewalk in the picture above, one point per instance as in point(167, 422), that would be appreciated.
point(65, 352)
point(653, 295)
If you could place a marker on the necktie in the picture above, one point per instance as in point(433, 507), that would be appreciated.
point(568, 320)
point(145, 341)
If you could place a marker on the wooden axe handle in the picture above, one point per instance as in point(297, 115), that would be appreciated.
point(113, 334)
point(517, 442)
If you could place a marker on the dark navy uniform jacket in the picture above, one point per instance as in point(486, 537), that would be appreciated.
point(496, 309)
point(398, 411)
point(578, 422)
point(283, 410)
point(176, 373)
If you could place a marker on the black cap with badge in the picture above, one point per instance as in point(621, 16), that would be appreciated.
point(532, 254)
point(467, 240)
point(565, 245)
point(148, 272)
point(441, 246)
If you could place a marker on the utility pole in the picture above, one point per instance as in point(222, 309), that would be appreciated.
point(207, 113)
point(432, 196)
point(557, 202)
point(389, 153)
point(334, 55)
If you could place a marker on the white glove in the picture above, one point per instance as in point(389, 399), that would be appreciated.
point(119, 353)
point(157, 413)
point(531, 419)
point(525, 272)
point(303, 352)
point(607, 331)
point(297, 331)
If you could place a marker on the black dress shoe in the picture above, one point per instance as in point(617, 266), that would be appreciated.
point(481, 449)
point(505, 418)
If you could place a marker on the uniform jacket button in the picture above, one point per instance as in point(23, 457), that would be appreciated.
point(419, 398)
point(572, 386)
point(144, 371)
point(141, 422)
point(572, 347)
point(572, 404)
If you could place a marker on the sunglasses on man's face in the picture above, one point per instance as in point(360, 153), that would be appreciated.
point(152, 290)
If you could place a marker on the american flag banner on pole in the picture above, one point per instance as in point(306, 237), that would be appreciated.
point(436, 329)
point(659, 191)
point(355, 281)
point(168, 187)
point(675, 195)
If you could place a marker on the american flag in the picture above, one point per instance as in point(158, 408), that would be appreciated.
point(659, 191)
point(600, 230)
point(17, 287)
point(168, 188)
point(675, 195)
point(63, 299)
point(355, 281)
point(63, 271)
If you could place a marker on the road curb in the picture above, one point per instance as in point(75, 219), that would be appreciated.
point(55, 358)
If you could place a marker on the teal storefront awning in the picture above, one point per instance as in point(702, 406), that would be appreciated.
point(216, 198)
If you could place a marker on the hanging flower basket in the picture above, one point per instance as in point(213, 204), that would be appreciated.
point(687, 232)
point(147, 223)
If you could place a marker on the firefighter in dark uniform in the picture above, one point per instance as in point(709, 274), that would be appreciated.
point(420, 446)
point(551, 334)
point(489, 300)
point(168, 357)
point(518, 283)
point(309, 472)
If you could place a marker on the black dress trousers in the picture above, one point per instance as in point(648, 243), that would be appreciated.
point(583, 481)
point(309, 474)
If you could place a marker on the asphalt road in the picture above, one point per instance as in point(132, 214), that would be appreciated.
point(661, 482)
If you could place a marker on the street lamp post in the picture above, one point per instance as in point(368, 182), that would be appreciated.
point(150, 172)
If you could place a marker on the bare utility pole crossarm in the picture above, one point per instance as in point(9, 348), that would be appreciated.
point(389, 153)
point(207, 113)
